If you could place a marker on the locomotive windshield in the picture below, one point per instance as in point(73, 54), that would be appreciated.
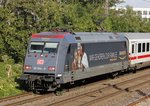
point(50, 48)
point(43, 47)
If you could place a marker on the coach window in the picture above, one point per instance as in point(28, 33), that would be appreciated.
point(143, 47)
point(147, 47)
point(132, 48)
point(139, 47)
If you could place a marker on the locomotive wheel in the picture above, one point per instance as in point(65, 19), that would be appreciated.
point(58, 92)
point(39, 91)
point(36, 92)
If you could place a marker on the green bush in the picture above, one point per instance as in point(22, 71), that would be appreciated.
point(8, 86)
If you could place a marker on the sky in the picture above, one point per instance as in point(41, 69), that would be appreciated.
point(136, 3)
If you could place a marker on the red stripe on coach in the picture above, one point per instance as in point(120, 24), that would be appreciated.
point(133, 58)
point(140, 57)
point(143, 56)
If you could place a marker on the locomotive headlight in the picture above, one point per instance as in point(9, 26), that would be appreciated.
point(27, 67)
point(51, 68)
point(59, 75)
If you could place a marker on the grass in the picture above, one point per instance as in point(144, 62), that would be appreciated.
point(8, 73)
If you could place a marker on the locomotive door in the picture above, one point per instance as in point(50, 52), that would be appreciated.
point(70, 58)
point(73, 61)
point(70, 63)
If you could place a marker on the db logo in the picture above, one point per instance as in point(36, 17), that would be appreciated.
point(40, 61)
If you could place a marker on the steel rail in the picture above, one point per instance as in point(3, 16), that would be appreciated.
point(97, 90)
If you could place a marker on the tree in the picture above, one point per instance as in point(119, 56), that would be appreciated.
point(20, 18)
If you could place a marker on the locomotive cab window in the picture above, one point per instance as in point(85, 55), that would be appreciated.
point(36, 47)
point(50, 48)
point(39, 47)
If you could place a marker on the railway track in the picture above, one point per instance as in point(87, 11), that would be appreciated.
point(105, 93)
point(35, 98)
point(109, 89)
point(17, 98)
point(14, 97)
point(140, 100)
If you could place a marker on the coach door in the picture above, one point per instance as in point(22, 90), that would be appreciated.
point(133, 52)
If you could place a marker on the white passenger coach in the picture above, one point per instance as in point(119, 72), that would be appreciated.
point(139, 49)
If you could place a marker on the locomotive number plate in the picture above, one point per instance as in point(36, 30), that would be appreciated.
point(40, 61)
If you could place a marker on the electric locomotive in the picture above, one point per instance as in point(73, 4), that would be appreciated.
point(56, 58)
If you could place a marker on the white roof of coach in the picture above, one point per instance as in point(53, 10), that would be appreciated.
point(137, 36)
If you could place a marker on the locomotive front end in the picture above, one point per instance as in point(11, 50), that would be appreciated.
point(40, 66)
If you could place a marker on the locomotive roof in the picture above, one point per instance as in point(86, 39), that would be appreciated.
point(137, 36)
point(98, 37)
point(79, 37)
